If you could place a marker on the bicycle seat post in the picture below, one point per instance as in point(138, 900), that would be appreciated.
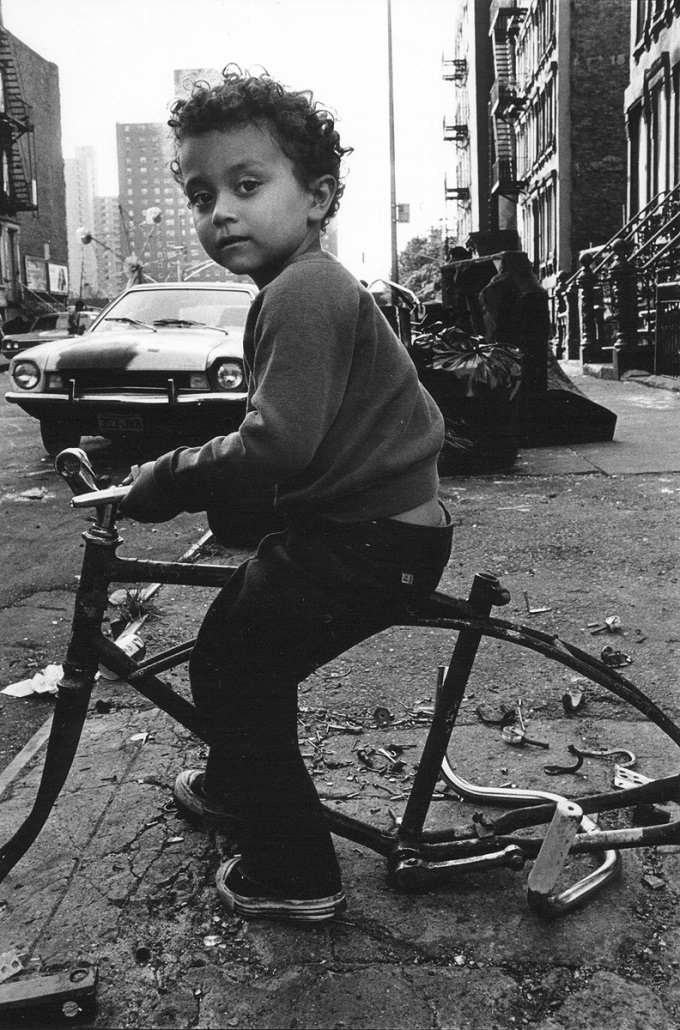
point(486, 592)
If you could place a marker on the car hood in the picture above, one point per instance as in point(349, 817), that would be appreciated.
point(178, 350)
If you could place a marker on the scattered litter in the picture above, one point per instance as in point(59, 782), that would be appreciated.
point(383, 716)
point(534, 611)
point(34, 493)
point(557, 770)
point(211, 941)
point(140, 736)
point(142, 955)
point(573, 700)
point(45, 682)
point(517, 737)
point(612, 624)
point(396, 763)
point(614, 659)
point(507, 717)
point(610, 752)
point(174, 840)
point(130, 643)
point(10, 965)
point(654, 883)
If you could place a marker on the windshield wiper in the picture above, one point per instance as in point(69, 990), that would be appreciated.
point(129, 321)
point(189, 322)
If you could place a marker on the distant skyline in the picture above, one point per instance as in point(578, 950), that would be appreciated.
point(117, 59)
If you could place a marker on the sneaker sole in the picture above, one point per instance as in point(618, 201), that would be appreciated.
point(314, 910)
point(194, 810)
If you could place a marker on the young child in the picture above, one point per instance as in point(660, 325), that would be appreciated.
point(338, 423)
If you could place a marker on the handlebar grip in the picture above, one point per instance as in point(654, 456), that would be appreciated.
point(100, 498)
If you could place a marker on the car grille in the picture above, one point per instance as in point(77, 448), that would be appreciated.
point(121, 380)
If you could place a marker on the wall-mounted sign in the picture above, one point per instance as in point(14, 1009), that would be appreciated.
point(58, 278)
point(36, 274)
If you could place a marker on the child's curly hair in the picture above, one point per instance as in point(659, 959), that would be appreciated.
point(304, 130)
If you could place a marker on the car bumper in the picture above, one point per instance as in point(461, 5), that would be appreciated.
point(92, 403)
point(115, 415)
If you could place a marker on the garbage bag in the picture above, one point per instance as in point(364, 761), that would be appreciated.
point(476, 385)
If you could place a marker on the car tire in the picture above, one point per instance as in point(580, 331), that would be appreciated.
point(56, 436)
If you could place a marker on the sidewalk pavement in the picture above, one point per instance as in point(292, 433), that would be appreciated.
point(117, 879)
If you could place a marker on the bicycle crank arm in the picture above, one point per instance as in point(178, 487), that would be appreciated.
point(410, 872)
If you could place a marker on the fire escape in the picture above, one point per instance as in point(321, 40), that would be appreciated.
point(17, 157)
point(505, 100)
point(457, 133)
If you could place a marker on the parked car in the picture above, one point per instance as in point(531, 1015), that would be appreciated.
point(54, 326)
point(162, 359)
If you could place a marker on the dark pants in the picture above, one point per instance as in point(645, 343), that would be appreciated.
point(309, 594)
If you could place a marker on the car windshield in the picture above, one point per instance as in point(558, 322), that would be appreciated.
point(223, 308)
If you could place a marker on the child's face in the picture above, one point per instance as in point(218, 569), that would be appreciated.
point(251, 213)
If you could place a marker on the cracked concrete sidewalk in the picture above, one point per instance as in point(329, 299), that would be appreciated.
point(117, 879)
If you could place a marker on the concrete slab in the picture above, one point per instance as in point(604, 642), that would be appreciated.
point(646, 440)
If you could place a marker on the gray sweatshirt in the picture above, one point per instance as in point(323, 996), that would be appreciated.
point(336, 420)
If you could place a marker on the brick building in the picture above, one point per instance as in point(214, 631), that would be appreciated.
point(33, 242)
point(550, 75)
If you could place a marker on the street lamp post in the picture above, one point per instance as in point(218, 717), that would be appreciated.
point(393, 181)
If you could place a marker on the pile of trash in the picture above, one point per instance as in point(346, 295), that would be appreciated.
point(476, 385)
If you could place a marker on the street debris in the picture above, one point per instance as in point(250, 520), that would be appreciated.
point(612, 624)
point(557, 770)
point(534, 611)
point(10, 965)
point(506, 718)
point(130, 642)
point(45, 682)
point(383, 716)
point(614, 659)
point(573, 700)
point(516, 736)
point(654, 883)
point(34, 493)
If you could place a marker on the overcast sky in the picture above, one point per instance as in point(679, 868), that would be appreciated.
point(116, 60)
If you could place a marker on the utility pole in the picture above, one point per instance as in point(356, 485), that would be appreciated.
point(394, 275)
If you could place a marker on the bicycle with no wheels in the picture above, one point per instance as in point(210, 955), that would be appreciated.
point(417, 858)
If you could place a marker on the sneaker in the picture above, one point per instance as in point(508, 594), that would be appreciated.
point(249, 900)
point(193, 803)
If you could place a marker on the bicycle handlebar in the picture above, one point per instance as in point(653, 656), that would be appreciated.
point(99, 498)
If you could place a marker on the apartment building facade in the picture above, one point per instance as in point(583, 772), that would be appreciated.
point(80, 174)
point(33, 241)
point(154, 209)
point(551, 76)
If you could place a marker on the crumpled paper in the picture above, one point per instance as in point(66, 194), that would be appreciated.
point(45, 682)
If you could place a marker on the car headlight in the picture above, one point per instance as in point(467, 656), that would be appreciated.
point(228, 375)
point(26, 375)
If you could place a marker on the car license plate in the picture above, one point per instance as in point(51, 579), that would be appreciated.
point(120, 424)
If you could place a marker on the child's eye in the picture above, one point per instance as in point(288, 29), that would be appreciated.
point(200, 199)
point(248, 185)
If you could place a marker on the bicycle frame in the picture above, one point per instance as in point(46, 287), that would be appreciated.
point(417, 858)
